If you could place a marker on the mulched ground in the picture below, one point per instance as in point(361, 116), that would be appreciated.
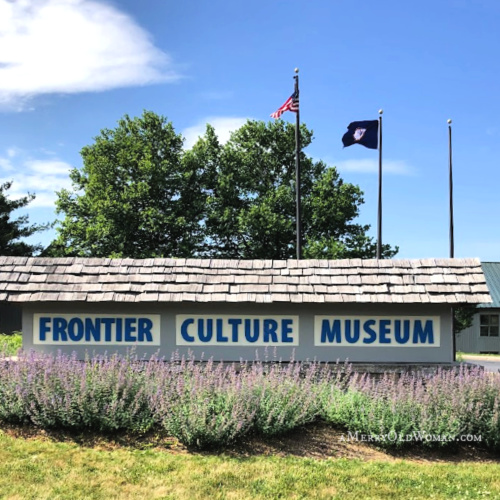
point(319, 441)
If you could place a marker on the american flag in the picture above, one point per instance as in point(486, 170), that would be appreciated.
point(291, 104)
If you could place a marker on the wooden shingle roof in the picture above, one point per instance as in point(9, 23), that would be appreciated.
point(36, 279)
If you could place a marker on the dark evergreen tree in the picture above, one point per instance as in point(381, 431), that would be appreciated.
point(13, 230)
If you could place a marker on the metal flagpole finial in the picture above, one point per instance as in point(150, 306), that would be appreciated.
point(380, 111)
point(448, 121)
point(296, 70)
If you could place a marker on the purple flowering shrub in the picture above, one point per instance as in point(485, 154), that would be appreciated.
point(286, 395)
point(466, 400)
point(432, 409)
point(213, 404)
point(58, 391)
point(372, 406)
point(202, 404)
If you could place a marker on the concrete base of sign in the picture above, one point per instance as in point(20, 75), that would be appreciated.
point(403, 368)
point(400, 367)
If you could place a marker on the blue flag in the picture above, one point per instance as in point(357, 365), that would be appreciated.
point(364, 133)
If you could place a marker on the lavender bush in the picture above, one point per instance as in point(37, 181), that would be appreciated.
point(213, 404)
point(372, 407)
point(202, 404)
point(433, 409)
point(58, 391)
point(286, 395)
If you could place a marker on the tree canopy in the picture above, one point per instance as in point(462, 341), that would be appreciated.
point(250, 183)
point(132, 197)
point(13, 230)
point(139, 194)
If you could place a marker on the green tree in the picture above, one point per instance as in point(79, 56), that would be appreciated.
point(250, 189)
point(132, 197)
point(139, 194)
point(12, 230)
point(463, 317)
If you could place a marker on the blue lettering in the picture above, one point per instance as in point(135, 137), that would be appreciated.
point(44, 328)
point(127, 329)
point(220, 327)
point(77, 335)
point(286, 329)
point(402, 338)
point(108, 323)
point(184, 329)
point(367, 328)
point(235, 323)
point(352, 339)
point(331, 334)
point(248, 332)
point(144, 330)
point(384, 330)
point(425, 334)
point(92, 330)
point(270, 327)
point(118, 329)
point(201, 334)
point(59, 332)
point(130, 329)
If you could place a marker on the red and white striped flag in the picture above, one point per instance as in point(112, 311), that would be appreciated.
point(291, 104)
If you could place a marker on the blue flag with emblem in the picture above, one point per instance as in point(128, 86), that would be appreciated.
point(364, 133)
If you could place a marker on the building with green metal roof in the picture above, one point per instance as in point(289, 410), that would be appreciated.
point(484, 334)
point(492, 273)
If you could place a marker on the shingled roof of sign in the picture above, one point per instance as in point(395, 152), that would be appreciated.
point(37, 279)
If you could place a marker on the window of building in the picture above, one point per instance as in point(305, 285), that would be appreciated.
point(488, 325)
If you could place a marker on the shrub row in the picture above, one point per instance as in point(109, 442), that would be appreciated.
point(213, 404)
point(447, 407)
point(202, 404)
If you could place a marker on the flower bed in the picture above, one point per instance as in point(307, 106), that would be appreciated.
point(214, 404)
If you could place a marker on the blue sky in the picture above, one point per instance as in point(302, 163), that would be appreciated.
point(69, 68)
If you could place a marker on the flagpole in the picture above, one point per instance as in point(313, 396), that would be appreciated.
point(450, 156)
point(452, 241)
point(298, 215)
point(379, 219)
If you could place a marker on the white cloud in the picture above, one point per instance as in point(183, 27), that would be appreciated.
point(48, 167)
point(223, 127)
point(68, 46)
point(6, 165)
point(370, 166)
point(42, 177)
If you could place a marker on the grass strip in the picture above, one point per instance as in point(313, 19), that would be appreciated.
point(46, 470)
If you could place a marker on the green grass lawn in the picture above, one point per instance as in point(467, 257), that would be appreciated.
point(475, 354)
point(42, 469)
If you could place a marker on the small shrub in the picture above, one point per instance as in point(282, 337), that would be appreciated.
point(433, 409)
point(10, 344)
point(286, 396)
point(202, 404)
point(59, 391)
